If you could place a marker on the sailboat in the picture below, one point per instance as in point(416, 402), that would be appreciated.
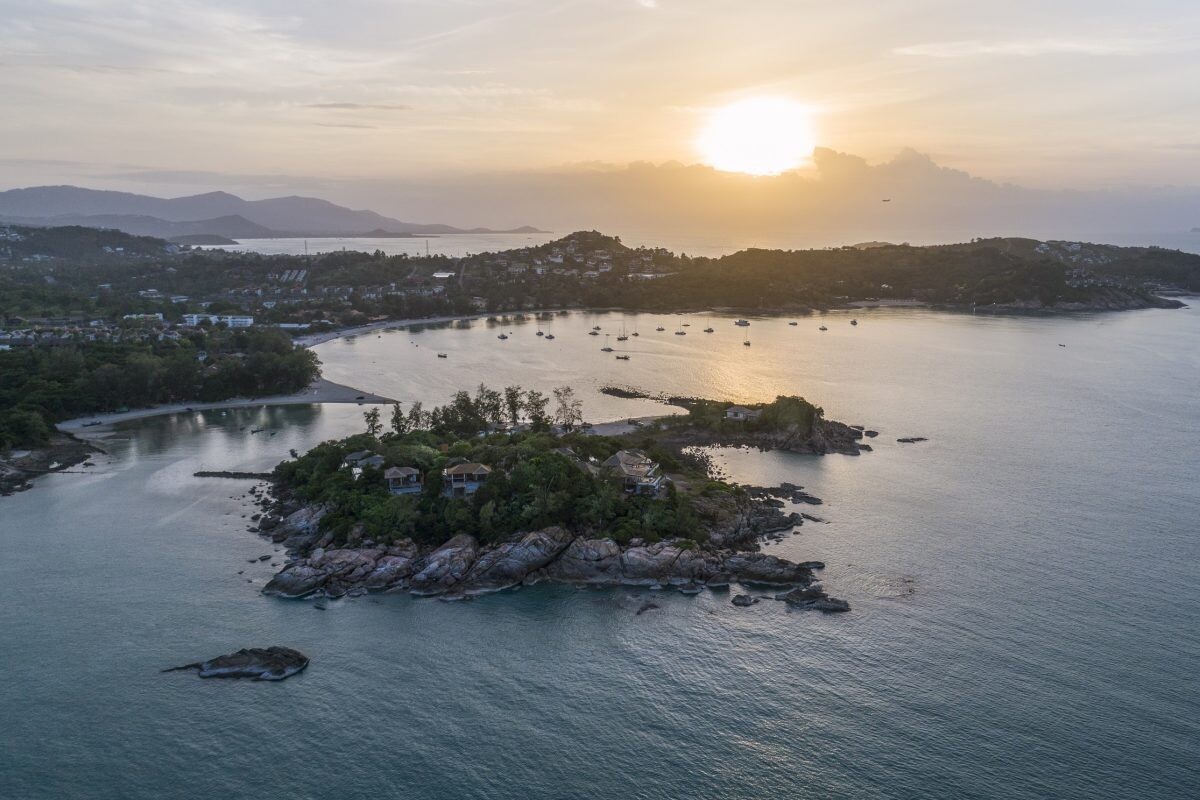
point(539, 328)
point(660, 328)
point(822, 328)
point(853, 322)
point(681, 331)
point(606, 348)
point(746, 343)
point(624, 337)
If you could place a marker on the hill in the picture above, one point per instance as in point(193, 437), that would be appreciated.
point(218, 213)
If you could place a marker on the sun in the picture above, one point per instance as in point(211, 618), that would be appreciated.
point(758, 136)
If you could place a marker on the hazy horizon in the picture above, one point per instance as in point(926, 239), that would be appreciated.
point(1026, 120)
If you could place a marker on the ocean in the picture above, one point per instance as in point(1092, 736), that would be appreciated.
point(1024, 584)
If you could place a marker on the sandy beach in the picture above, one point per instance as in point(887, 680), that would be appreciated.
point(319, 391)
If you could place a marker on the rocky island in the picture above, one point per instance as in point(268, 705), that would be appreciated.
point(490, 492)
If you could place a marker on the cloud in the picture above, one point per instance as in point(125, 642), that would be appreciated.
point(967, 48)
point(360, 106)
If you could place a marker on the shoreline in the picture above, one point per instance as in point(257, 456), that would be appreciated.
point(321, 390)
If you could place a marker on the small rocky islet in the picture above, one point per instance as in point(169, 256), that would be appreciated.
point(255, 663)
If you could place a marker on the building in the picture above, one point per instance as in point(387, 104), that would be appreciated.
point(463, 480)
point(742, 414)
point(637, 472)
point(194, 320)
point(143, 317)
point(361, 459)
point(404, 480)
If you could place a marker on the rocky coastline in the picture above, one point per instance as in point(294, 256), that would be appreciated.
point(463, 567)
point(19, 467)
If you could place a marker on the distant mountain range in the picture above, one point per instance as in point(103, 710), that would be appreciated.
point(215, 214)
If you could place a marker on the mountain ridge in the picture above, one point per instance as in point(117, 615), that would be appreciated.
point(216, 213)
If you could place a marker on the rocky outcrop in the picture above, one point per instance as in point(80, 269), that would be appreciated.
point(511, 562)
point(445, 566)
point(813, 597)
point(256, 663)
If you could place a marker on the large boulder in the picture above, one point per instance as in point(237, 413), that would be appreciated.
point(508, 564)
point(296, 580)
point(445, 566)
point(763, 568)
point(649, 565)
point(594, 561)
point(258, 663)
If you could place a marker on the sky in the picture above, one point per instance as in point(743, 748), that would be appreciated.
point(264, 97)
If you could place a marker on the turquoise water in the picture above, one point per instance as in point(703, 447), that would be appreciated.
point(1026, 614)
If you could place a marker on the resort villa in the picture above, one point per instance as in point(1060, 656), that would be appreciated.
point(741, 413)
point(404, 480)
point(360, 459)
point(636, 471)
point(463, 480)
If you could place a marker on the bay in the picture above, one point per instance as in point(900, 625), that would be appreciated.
point(1024, 587)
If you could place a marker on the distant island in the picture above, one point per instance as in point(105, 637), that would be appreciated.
point(500, 488)
point(217, 214)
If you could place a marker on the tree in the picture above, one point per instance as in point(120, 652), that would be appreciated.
point(569, 409)
point(512, 403)
point(417, 419)
point(489, 405)
point(400, 423)
point(374, 427)
point(535, 410)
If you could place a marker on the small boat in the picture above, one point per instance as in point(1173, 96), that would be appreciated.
point(98, 422)
point(539, 333)
point(742, 323)
point(592, 333)
point(660, 328)
point(793, 324)
point(257, 430)
point(622, 358)
point(822, 328)
point(549, 336)
point(708, 330)
point(746, 343)
point(442, 355)
point(606, 349)
point(635, 333)
point(596, 328)
point(853, 322)
point(687, 324)
point(502, 336)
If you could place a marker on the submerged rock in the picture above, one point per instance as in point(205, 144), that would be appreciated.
point(743, 600)
point(814, 597)
point(257, 663)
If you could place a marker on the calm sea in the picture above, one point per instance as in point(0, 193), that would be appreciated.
point(1025, 585)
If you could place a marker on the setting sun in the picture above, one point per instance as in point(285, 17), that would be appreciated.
point(759, 136)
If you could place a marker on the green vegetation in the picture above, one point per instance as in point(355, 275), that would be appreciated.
point(39, 386)
point(535, 481)
point(785, 413)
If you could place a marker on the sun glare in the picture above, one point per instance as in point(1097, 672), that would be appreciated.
point(758, 136)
